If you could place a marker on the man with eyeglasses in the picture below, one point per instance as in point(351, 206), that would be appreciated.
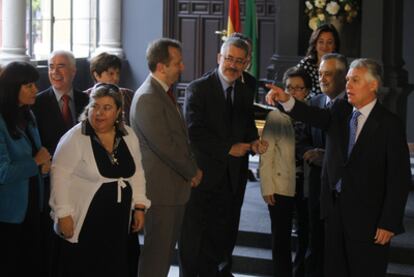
point(56, 109)
point(219, 113)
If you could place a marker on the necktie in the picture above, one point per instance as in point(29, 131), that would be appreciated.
point(66, 113)
point(171, 94)
point(328, 104)
point(229, 104)
point(353, 127)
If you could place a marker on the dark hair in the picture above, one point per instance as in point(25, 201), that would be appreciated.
point(158, 52)
point(103, 62)
point(324, 28)
point(101, 90)
point(298, 72)
point(12, 77)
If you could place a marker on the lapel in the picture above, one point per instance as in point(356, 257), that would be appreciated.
point(365, 136)
point(166, 101)
point(217, 94)
point(53, 106)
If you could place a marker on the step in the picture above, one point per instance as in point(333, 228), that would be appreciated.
point(258, 262)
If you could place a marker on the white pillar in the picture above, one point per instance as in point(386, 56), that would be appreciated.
point(14, 32)
point(110, 28)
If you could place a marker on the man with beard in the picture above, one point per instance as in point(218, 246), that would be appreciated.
point(219, 114)
point(56, 109)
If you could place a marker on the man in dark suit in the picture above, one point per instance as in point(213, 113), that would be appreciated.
point(219, 114)
point(48, 109)
point(332, 73)
point(169, 165)
point(365, 176)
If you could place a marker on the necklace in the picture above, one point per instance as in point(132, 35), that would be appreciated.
point(111, 155)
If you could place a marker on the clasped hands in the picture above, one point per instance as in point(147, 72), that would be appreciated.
point(240, 149)
point(42, 159)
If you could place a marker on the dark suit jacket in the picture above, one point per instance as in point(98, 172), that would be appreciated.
point(209, 130)
point(49, 116)
point(375, 178)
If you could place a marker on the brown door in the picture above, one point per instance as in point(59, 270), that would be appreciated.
point(194, 23)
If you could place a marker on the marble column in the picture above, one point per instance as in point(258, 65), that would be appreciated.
point(14, 31)
point(110, 28)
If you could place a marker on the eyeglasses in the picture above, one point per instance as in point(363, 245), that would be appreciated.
point(233, 60)
point(292, 89)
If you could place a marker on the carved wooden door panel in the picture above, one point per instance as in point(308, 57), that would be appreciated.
point(194, 22)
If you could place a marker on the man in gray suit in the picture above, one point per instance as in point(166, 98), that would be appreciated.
point(169, 165)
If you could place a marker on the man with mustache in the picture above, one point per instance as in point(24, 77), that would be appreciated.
point(219, 113)
point(56, 109)
point(365, 176)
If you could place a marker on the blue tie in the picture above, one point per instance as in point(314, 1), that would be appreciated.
point(353, 127)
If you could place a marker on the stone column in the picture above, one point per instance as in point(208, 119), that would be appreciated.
point(14, 31)
point(110, 28)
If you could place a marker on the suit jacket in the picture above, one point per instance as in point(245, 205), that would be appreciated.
point(167, 159)
point(375, 177)
point(210, 133)
point(49, 116)
point(16, 167)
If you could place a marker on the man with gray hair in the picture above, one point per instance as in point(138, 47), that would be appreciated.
point(219, 114)
point(366, 173)
point(169, 165)
point(56, 109)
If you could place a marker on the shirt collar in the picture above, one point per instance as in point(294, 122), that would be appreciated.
point(339, 96)
point(59, 94)
point(366, 110)
point(162, 83)
point(223, 82)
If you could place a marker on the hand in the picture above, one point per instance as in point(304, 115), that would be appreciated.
point(239, 149)
point(196, 180)
point(138, 221)
point(42, 156)
point(66, 226)
point(259, 146)
point(276, 94)
point(383, 236)
point(314, 156)
point(45, 168)
point(269, 199)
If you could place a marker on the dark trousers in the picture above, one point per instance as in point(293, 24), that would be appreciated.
point(314, 259)
point(233, 225)
point(203, 240)
point(20, 242)
point(345, 257)
point(281, 225)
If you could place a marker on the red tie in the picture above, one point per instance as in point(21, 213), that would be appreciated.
point(171, 95)
point(67, 115)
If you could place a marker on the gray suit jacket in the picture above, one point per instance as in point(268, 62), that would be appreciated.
point(166, 154)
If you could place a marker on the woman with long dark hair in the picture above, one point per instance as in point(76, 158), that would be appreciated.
point(324, 40)
point(22, 162)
